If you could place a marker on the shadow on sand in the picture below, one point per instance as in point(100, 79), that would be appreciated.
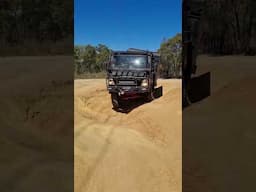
point(199, 87)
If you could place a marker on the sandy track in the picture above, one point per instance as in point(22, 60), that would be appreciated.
point(219, 136)
point(36, 124)
point(139, 151)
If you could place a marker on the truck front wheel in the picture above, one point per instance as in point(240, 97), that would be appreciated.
point(150, 95)
point(115, 100)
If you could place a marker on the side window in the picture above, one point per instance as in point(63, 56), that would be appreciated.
point(113, 61)
point(149, 59)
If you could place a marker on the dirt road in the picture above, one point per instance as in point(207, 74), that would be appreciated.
point(136, 151)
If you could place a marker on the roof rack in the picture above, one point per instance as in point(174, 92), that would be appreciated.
point(143, 51)
point(137, 50)
point(155, 55)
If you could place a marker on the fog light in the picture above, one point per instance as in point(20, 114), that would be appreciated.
point(111, 82)
point(144, 83)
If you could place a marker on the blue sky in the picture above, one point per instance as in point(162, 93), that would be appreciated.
point(126, 23)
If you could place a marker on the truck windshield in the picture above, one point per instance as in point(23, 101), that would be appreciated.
point(129, 61)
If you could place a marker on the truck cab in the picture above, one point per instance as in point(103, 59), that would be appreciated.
point(131, 74)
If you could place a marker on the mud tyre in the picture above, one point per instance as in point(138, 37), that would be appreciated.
point(115, 100)
point(150, 96)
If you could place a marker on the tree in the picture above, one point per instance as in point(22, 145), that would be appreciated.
point(31, 23)
point(170, 56)
point(89, 59)
point(228, 27)
point(103, 53)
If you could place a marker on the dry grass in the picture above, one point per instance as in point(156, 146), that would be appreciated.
point(35, 48)
point(100, 75)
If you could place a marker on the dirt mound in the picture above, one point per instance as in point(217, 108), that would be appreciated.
point(135, 151)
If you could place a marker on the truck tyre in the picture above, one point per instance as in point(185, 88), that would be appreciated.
point(115, 100)
point(150, 95)
point(185, 98)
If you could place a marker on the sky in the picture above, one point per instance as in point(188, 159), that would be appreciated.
point(126, 24)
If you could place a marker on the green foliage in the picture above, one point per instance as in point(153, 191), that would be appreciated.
point(29, 24)
point(228, 27)
point(103, 54)
point(89, 59)
point(170, 52)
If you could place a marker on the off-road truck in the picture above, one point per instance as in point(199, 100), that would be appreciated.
point(131, 74)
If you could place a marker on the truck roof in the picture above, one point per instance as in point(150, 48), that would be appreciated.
point(129, 53)
point(136, 52)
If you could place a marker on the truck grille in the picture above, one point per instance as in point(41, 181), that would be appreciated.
point(129, 73)
point(127, 82)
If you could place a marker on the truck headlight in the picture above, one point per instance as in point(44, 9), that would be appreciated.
point(144, 83)
point(111, 82)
